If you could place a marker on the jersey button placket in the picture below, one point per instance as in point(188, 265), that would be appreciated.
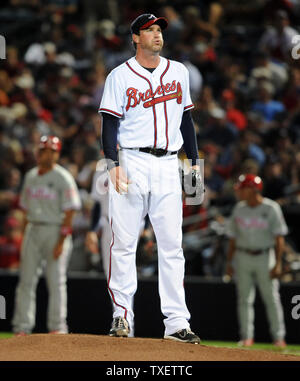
point(155, 83)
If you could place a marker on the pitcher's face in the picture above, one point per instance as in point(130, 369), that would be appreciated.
point(150, 39)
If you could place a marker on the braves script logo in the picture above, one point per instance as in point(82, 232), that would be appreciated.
point(135, 97)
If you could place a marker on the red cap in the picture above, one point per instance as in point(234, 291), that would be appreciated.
point(249, 181)
point(52, 142)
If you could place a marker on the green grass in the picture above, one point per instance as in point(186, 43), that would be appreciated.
point(292, 349)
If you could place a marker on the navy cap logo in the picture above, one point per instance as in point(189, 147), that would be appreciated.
point(147, 20)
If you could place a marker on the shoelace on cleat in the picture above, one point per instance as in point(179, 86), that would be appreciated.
point(118, 323)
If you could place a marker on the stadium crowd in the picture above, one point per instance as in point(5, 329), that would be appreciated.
point(245, 85)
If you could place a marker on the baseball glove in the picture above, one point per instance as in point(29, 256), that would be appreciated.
point(192, 184)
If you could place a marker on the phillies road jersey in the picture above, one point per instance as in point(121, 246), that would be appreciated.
point(46, 197)
point(149, 105)
point(256, 228)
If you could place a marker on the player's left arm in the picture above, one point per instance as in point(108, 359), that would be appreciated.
point(70, 203)
point(189, 139)
point(279, 248)
point(279, 229)
point(187, 128)
point(192, 183)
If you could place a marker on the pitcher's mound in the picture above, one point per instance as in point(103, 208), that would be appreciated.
point(73, 347)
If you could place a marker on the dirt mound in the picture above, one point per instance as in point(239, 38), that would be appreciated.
point(75, 347)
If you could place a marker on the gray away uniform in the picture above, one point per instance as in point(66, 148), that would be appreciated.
point(255, 228)
point(45, 198)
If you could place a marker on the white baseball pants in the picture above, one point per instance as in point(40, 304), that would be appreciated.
point(155, 189)
point(105, 255)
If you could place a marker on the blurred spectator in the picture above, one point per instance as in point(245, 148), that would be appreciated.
point(213, 181)
point(219, 131)
point(265, 69)
point(233, 115)
point(196, 80)
point(292, 91)
point(265, 105)
point(275, 182)
point(175, 27)
point(10, 244)
point(277, 39)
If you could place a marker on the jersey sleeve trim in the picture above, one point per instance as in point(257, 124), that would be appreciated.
point(71, 206)
point(189, 107)
point(108, 111)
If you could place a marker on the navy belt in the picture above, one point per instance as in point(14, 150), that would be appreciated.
point(43, 223)
point(254, 252)
point(154, 151)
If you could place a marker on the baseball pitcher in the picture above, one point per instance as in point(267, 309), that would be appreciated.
point(146, 111)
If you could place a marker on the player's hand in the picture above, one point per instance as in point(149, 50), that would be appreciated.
point(276, 271)
point(229, 271)
point(91, 242)
point(119, 179)
point(58, 249)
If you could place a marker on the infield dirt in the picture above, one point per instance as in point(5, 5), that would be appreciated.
point(80, 347)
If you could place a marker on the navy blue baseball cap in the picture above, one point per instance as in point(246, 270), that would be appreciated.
point(145, 21)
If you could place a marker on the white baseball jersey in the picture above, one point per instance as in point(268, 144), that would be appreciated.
point(149, 105)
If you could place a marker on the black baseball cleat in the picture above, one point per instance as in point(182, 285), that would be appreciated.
point(120, 327)
point(184, 336)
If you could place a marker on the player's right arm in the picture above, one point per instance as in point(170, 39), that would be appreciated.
point(231, 232)
point(23, 202)
point(111, 109)
point(230, 254)
point(110, 125)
